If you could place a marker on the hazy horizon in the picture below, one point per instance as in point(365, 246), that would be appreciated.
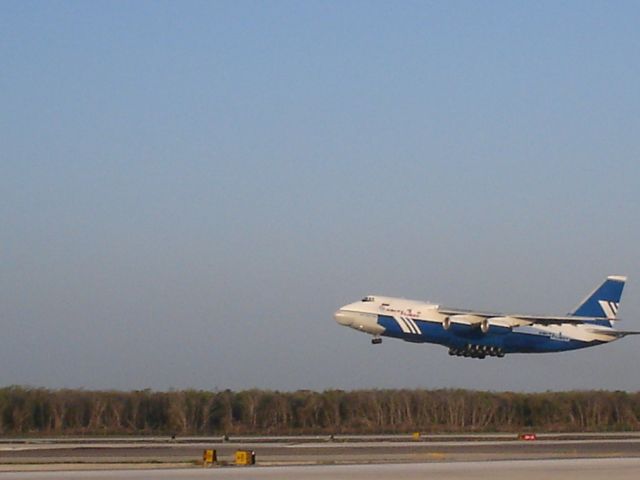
point(191, 189)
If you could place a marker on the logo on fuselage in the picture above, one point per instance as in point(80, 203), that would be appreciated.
point(408, 325)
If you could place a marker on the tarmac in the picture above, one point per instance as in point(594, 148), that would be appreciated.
point(573, 469)
point(567, 456)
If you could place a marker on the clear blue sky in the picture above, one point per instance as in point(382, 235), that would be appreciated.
point(190, 189)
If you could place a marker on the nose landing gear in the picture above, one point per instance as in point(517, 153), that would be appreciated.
point(376, 341)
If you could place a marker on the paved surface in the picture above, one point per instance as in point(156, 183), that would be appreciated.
point(313, 438)
point(568, 457)
point(584, 469)
point(12, 455)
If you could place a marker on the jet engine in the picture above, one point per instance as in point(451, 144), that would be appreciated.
point(467, 320)
point(497, 325)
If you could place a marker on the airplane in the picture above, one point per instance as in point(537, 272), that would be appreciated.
point(472, 334)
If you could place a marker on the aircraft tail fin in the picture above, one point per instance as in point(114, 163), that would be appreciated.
point(603, 302)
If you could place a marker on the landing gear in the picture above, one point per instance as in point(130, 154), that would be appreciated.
point(476, 351)
point(376, 341)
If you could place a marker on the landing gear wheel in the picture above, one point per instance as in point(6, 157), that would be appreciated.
point(376, 341)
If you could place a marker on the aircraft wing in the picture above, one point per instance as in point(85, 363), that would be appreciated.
point(614, 333)
point(457, 311)
point(555, 320)
point(520, 320)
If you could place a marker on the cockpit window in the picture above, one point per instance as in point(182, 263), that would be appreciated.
point(368, 299)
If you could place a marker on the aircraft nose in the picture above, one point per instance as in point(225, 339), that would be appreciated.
point(343, 318)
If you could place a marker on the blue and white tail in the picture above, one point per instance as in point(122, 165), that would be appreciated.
point(603, 302)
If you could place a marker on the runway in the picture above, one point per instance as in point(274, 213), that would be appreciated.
point(312, 451)
point(585, 456)
point(572, 469)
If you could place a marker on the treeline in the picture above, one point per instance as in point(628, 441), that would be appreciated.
point(41, 411)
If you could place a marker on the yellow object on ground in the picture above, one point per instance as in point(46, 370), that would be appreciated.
point(245, 457)
point(209, 456)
